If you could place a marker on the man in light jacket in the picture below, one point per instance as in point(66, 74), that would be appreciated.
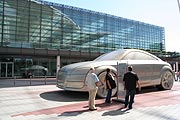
point(92, 83)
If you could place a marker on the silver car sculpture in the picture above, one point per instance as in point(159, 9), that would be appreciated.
point(152, 71)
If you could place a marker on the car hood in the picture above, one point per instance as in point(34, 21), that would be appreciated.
point(83, 67)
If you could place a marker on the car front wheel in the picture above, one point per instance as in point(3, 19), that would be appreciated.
point(167, 80)
point(102, 91)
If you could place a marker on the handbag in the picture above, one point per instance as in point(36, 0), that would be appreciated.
point(112, 82)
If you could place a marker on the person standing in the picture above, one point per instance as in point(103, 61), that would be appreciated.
point(130, 81)
point(92, 83)
point(178, 76)
point(109, 87)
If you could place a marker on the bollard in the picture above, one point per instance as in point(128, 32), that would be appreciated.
point(45, 79)
point(30, 79)
point(14, 80)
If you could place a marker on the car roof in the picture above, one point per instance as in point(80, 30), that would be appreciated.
point(121, 53)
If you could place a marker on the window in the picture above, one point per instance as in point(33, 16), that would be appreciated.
point(138, 56)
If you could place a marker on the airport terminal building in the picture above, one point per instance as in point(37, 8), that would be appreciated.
point(41, 36)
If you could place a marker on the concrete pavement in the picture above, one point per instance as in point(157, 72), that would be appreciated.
point(46, 102)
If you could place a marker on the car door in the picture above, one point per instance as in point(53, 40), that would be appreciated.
point(142, 64)
point(144, 70)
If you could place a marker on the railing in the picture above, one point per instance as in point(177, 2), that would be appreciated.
point(32, 81)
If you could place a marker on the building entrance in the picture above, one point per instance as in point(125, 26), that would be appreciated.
point(6, 69)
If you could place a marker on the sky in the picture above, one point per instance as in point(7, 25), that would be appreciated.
point(164, 13)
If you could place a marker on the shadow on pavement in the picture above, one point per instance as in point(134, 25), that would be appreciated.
point(69, 96)
point(148, 90)
point(120, 111)
point(101, 106)
point(73, 113)
point(65, 96)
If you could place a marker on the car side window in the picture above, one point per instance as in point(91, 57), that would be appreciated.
point(138, 56)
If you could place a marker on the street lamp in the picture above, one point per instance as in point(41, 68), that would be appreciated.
point(179, 12)
point(178, 5)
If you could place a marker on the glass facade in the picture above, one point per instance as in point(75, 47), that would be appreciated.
point(20, 66)
point(41, 24)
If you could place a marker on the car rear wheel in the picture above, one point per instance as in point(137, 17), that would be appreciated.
point(102, 92)
point(167, 80)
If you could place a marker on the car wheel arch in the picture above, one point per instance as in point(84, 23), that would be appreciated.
point(101, 72)
point(166, 68)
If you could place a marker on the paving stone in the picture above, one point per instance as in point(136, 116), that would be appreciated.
point(47, 102)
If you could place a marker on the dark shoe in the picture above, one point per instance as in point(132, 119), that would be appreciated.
point(130, 108)
point(93, 109)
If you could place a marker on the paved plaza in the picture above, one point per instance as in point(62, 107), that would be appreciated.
point(47, 102)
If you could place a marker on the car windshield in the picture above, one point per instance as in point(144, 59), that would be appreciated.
point(115, 55)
